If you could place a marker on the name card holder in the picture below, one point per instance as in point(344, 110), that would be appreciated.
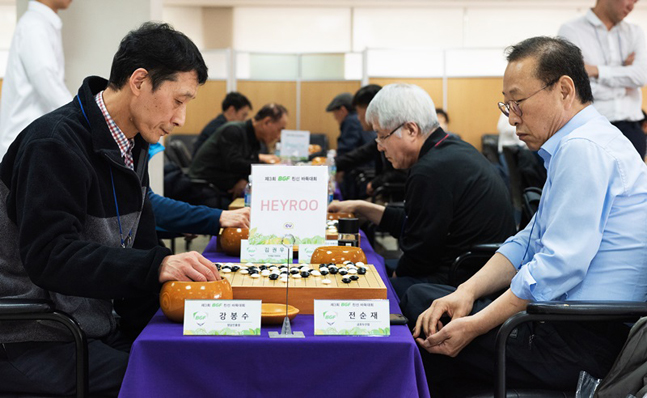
point(222, 317)
point(352, 317)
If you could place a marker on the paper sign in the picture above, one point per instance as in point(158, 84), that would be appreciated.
point(306, 251)
point(294, 144)
point(352, 317)
point(288, 200)
point(273, 254)
point(222, 317)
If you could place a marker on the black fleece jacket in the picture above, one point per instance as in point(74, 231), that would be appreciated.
point(59, 219)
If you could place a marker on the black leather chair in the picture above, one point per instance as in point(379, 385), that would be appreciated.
point(43, 310)
point(558, 311)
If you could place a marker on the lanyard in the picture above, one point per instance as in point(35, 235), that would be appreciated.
point(128, 239)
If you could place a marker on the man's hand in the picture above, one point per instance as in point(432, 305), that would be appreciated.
point(235, 218)
point(270, 159)
point(237, 190)
point(450, 339)
point(346, 206)
point(592, 70)
point(455, 305)
point(369, 189)
point(190, 266)
point(630, 59)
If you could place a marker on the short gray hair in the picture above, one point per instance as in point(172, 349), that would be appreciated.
point(400, 103)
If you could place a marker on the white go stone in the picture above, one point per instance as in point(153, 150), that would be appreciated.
point(296, 276)
point(284, 280)
point(359, 264)
point(315, 273)
point(225, 270)
point(255, 276)
point(230, 264)
point(244, 271)
point(265, 272)
point(352, 270)
point(326, 281)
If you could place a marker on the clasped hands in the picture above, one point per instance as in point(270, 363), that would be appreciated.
point(449, 339)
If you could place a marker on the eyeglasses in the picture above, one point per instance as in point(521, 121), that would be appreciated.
point(380, 140)
point(514, 106)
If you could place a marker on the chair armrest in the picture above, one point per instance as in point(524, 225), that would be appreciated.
point(23, 306)
point(561, 311)
point(486, 247)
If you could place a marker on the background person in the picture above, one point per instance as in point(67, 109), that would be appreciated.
point(34, 82)
point(615, 57)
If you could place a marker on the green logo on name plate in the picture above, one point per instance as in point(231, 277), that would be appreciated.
point(330, 317)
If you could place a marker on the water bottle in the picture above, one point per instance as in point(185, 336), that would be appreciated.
point(248, 192)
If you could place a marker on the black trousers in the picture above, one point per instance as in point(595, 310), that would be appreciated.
point(635, 133)
point(48, 368)
point(539, 355)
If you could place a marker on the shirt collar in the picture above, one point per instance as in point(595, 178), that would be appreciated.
point(125, 144)
point(549, 147)
point(47, 12)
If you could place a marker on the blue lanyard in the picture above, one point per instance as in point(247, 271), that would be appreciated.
point(114, 193)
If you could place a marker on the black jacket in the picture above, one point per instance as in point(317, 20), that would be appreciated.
point(227, 156)
point(208, 131)
point(60, 236)
point(454, 199)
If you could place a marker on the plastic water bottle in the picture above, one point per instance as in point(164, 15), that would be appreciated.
point(248, 193)
point(330, 161)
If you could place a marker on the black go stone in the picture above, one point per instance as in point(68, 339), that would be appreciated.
point(345, 279)
point(324, 272)
point(305, 274)
point(235, 268)
point(361, 270)
point(343, 271)
point(354, 277)
point(274, 277)
point(333, 270)
point(294, 271)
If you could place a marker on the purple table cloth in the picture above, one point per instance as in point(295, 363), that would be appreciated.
point(165, 363)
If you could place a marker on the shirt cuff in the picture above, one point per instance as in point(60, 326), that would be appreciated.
point(523, 284)
point(513, 251)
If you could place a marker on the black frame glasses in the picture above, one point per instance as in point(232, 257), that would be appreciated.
point(380, 140)
point(514, 106)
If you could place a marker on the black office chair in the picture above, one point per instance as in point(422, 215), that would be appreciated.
point(43, 310)
point(177, 152)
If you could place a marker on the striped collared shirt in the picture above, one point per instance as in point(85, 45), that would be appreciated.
point(125, 145)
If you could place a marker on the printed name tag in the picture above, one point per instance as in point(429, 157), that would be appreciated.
point(222, 317)
point(352, 317)
point(272, 254)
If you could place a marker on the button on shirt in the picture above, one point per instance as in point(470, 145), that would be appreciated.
point(125, 144)
point(589, 235)
point(616, 90)
point(34, 80)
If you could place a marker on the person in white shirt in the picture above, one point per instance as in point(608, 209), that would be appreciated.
point(34, 81)
point(615, 58)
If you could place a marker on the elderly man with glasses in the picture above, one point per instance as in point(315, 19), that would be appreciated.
point(454, 198)
point(587, 241)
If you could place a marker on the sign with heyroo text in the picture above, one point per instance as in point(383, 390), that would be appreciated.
point(294, 144)
point(288, 200)
point(352, 317)
point(222, 317)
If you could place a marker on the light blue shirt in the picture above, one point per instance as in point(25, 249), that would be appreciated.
point(589, 235)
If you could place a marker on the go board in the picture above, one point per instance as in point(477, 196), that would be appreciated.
point(304, 290)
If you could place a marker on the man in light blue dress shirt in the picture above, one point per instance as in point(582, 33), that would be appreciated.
point(587, 241)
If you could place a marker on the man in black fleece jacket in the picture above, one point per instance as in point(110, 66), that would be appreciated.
point(453, 197)
point(76, 226)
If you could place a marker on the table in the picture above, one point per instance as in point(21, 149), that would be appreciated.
point(164, 363)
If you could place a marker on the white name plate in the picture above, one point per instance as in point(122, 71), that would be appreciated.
point(352, 317)
point(306, 251)
point(273, 254)
point(222, 317)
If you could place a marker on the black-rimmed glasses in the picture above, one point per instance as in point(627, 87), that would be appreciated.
point(381, 140)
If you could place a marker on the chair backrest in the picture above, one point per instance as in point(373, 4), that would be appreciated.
point(530, 203)
point(178, 153)
point(510, 156)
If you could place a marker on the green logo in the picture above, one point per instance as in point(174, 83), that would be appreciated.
point(330, 317)
point(200, 317)
point(284, 178)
